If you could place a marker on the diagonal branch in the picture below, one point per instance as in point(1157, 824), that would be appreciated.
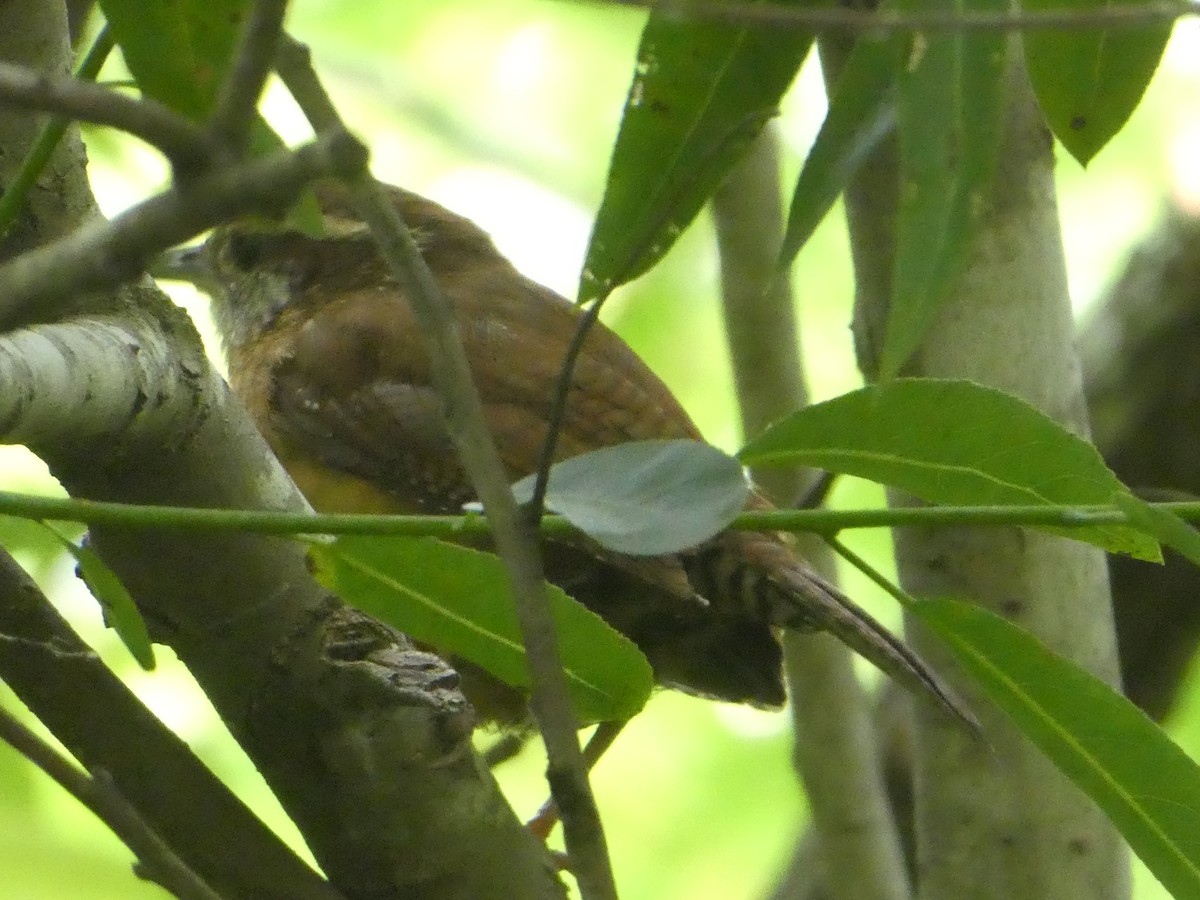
point(184, 144)
point(104, 255)
point(156, 862)
point(57, 676)
point(515, 539)
point(237, 104)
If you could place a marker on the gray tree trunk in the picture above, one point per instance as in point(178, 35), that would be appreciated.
point(994, 819)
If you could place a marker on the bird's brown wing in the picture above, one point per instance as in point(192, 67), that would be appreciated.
point(384, 428)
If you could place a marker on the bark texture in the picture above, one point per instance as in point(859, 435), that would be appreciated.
point(994, 819)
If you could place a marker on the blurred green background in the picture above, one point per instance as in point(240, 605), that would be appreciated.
point(506, 111)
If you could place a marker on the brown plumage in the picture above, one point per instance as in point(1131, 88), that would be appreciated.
point(324, 351)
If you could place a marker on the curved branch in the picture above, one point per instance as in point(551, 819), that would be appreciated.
point(182, 142)
point(104, 255)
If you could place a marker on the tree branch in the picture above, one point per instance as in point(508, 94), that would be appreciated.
point(515, 539)
point(183, 143)
point(365, 741)
point(815, 521)
point(1006, 323)
point(833, 751)
point(66, 685)
point(847, 19)
point(237, 105)
point(51, 133)
point(99, 794)
point(103, 255)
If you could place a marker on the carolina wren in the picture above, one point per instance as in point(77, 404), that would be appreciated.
point(325, 353)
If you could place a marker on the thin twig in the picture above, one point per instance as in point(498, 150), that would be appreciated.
point(237, 106)
point(183, 143)
point(157, 862)
point(101, 723)
point(558, 410)
point(550, 701)
point(816, 493)
point(880, 580)
point(106, 254)
point(846, 19)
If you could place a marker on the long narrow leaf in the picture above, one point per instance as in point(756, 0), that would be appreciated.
point(701, 92)
point(862, 110)
point(177, 50)
point(1144, 783)
point(952, 442)
point(120, 612)
point(951, 99)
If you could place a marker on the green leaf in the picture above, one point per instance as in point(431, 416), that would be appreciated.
point(459, 600)
point(862, 110)
point(701, 93)
point(1145, 784)
point(951, 106)
point(953, 442)
point(1089, 81)
point(1162, 525)
point(177, 50)
point(646, 498)
point(120, 612)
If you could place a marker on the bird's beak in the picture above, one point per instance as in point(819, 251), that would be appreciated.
point(190, 264)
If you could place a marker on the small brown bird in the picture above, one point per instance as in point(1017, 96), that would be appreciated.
point(325, 353)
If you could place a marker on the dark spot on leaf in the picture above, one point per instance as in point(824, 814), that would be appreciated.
point(1079, 846)
point(661, 107)
point(1078, 123)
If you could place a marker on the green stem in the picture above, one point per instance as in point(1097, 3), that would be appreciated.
point(907, 600)
point(820, 521)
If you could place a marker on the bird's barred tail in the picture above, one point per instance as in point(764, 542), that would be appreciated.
point(804, 600)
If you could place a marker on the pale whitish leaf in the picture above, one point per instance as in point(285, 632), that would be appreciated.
point(646, 497)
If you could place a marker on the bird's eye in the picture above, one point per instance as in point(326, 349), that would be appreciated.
point(244, 251)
